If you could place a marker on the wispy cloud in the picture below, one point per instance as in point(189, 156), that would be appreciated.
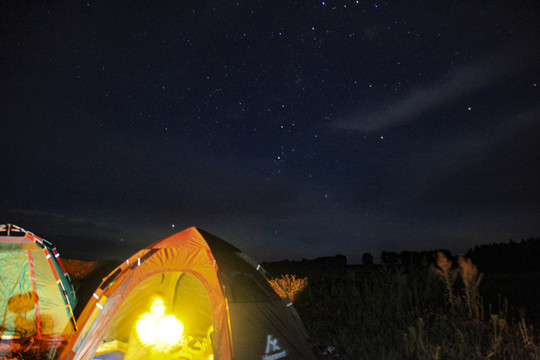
point(457, 84)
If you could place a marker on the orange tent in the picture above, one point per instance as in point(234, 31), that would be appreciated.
point(206, 287)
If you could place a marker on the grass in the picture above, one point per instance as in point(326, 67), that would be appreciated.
point(428, 313)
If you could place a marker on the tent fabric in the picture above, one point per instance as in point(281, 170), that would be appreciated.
point(227, 307)
point(37, 295)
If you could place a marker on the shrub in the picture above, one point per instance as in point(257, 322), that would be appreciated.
point(288, 286)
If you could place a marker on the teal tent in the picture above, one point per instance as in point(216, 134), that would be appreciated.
point(36, 294)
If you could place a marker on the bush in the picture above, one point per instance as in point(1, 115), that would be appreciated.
point(288, 286)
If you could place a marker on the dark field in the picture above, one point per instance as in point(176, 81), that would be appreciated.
point(382, 312)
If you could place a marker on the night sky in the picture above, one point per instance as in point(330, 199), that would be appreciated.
point(292, 129)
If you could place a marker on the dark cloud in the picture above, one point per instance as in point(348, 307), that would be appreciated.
point(500, 168)
point(76, 237)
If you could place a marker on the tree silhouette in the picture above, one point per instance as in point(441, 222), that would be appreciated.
point(367, 259)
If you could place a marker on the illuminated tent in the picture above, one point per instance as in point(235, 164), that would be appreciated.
point(216, 299)
point(37, 296)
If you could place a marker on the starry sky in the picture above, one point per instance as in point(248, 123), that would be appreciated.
point(292, 129)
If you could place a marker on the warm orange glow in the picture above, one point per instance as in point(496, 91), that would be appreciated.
point(157, 330)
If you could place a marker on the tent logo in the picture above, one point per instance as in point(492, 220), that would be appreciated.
point(273, 350)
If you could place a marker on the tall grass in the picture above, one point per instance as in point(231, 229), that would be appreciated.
point(448, 276)
point(471, 282)
point(431, 313)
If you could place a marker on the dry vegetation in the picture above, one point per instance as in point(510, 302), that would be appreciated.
point(288, 286)
point(78, 269)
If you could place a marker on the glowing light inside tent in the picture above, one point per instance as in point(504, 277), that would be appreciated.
point(157, 330)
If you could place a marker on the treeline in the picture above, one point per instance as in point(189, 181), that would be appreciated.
point(522, 256)
point(318, 266)
point(409, 260)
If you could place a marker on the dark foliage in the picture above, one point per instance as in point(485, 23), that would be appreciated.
point(412, 260)
point(318, 266)
point(523, 256)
